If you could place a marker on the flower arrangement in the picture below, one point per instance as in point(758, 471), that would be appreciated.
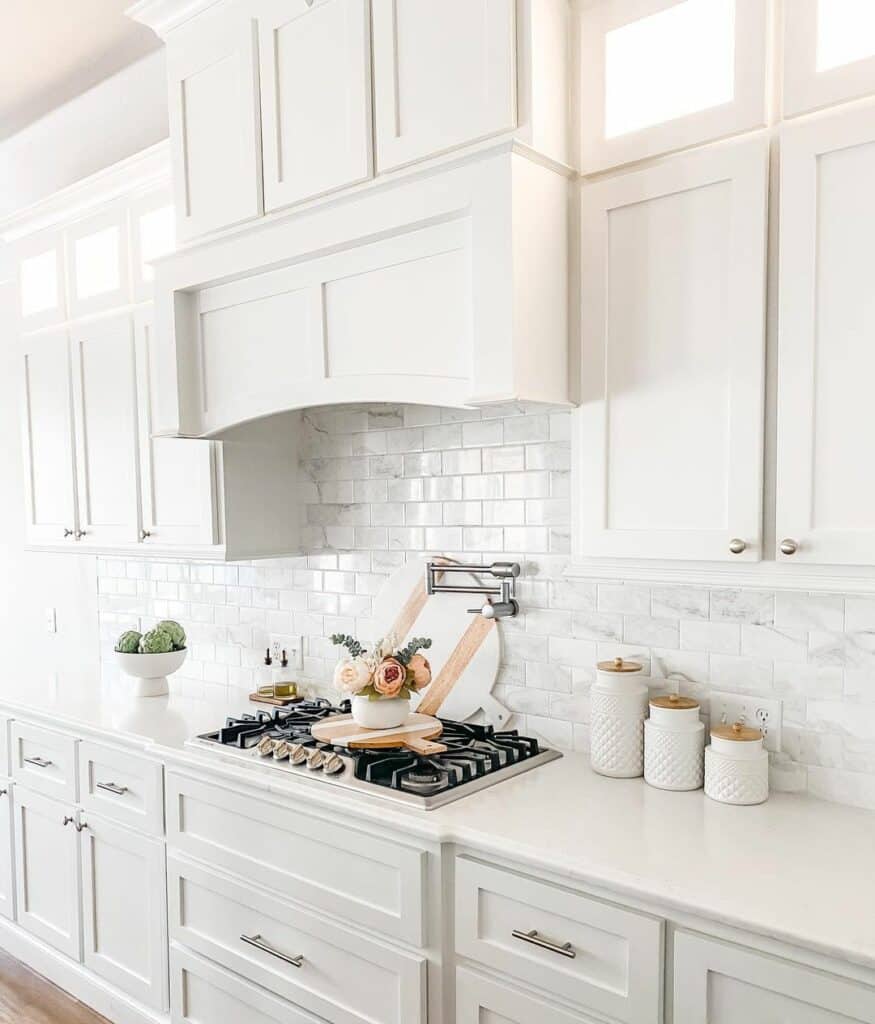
point(385, 672)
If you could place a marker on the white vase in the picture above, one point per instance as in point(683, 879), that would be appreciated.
point(151, 670)
point(384, 713)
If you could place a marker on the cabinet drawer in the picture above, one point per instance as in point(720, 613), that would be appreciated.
point(481, 1000)
point(346, 976)
point(717, 981)
point(200, 992)
point(122, 786)
point(367, 881)
point(597, 955)
point(44, 760)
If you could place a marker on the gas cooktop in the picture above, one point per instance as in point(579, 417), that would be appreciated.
point(477, 755)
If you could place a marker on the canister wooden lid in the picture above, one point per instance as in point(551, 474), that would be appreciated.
point(619, 665)
point(736, 731)
point(674, 701)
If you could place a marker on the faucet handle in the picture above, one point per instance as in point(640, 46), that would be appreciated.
point(496, 610)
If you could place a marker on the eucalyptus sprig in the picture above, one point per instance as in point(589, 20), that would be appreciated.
point(349, 642)
point(416, 643)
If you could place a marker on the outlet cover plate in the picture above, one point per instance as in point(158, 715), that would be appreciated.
point(292, 645)
point(763, 713)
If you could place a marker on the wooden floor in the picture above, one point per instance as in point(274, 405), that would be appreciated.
point(26, 998)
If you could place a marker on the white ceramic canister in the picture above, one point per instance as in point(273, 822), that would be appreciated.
point(737, 765)
point(618, 709)
point(674, 744)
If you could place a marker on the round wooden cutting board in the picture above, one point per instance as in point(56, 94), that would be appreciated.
point(416, 734)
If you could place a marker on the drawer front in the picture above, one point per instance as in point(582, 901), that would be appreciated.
point(122, 786)
point(481, 1000)
point(717, 981)
point(364, 880)
point(348, 977)
point(201, 993)
point(44, 760)
point(599, 956)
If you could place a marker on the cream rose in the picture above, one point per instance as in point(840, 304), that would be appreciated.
point(420, 670)
point(352, 676)
point(389, 677)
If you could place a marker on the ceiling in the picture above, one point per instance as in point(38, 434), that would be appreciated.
point(53, 50)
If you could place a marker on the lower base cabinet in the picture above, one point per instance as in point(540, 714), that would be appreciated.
point(480, 1000)
point(716, 982)
point(7, 854)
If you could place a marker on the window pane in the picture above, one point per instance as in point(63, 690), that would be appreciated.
point(97, 263)
point(845, 32)
point(157, 238)
point(670, 64)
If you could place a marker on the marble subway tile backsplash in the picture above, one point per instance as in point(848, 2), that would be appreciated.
point(383, 484)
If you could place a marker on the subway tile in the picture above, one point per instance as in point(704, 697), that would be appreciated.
point(811, 611)
point(753, 606)
point(459, 463)
point(719, 637)
point(680, 602)
point(628, 598)
point(504, 460)
point(523, 429)
point(442, 488)
point(534, 484)
point(480, 486)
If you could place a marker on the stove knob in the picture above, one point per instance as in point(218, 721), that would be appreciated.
point(315, 760)
point(265, 746)
point(333, 764)
point(281, 750)
point(298, 753)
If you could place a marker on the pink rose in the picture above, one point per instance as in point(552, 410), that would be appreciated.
point(420, 670)
point(389, 677)
point(352, 676)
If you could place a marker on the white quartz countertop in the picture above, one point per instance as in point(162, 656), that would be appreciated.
point(794, 868)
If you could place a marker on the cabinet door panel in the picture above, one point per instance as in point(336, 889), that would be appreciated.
point(153, 235)
point(444, 75)
point(97, 258)
point(104, 388)
point(125, 910)
point(670, 426)
point(215, 133)
point(7, 853)
point(47, 871)
point(176, 475)
point(41, 291)
point(47, 434)
point(315, 93)
point(717, 983)
point(826, 360)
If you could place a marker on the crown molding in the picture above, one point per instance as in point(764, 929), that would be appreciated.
point(150, 168)
point(163, 16)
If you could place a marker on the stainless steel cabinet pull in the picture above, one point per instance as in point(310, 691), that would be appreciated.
point(737, 545)
point(789, 547)
point(259, 943)
point(40, 762)
point(113, 787)
point(538, 940)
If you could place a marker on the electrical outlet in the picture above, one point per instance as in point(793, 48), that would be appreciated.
point(292, 645)
point(763, 713)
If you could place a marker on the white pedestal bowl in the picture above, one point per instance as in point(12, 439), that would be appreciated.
point(151, 670)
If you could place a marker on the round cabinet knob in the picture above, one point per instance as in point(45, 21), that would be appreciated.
point(737, 545)
point(789, 547)
point(68, 532)
point(79, 534)
point(145, 535)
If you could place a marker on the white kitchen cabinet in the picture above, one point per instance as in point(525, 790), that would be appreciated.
point(315, 96)
point(152, 226)
point(670, 427)
point(41, 281)
point(124, 909)
point(829, 53)
point(48, 440)
point(97, 262)
point(444, 75)
point(662, 75)
point(215, 130)
point(177, 477)
point(482, 1000)
point(7, 852)
point(105, 399)
point(825, 504)
point(47, 871)
point(719, 983)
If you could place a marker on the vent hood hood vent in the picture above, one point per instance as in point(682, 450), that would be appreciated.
point(448, 287)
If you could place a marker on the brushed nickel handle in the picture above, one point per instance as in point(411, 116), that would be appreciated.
point(737, 545)
point(145, 534)
point(68, 532)
point(565, 949)
point(113, 787)
point(67, 820)
point(3, 792)
point(79, 534)
point(40, 762)
point(259, 943)
point(80, 825)
point(789, 546)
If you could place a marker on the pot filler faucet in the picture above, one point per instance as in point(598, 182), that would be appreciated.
point(505, 573)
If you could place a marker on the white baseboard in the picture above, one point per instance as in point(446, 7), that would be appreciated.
point(74, 979)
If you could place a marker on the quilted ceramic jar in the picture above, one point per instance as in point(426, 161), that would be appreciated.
point(736, 765)
point(674, 744)
point(618, 709)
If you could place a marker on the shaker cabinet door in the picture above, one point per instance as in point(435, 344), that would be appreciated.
point(97, 262)
point(315, 96)
point(444, 75)
point(672, 312)
point(7, 854)
point(826, 359)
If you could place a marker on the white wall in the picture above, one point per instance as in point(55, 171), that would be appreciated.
point(119, 117)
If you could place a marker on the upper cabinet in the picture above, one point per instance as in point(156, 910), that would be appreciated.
point(97, 260)
point(670, 427)
point(315, 96)
point(444, 74)
point(42, 299)
point(663, 75)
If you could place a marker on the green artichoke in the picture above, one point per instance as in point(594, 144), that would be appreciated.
point(156, 641)
point(175, 631)
point(129, 642)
